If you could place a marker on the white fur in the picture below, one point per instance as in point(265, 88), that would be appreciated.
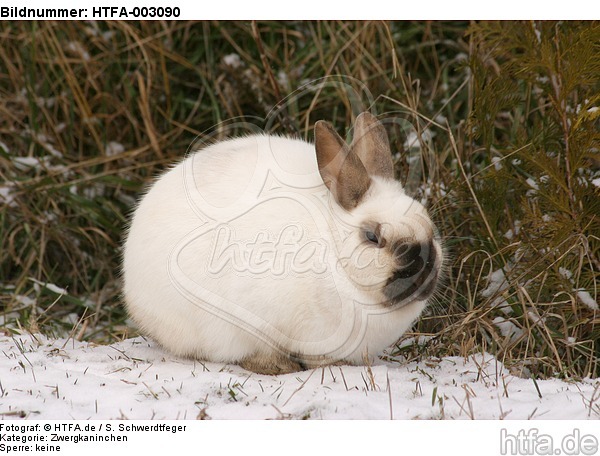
point(264, 196)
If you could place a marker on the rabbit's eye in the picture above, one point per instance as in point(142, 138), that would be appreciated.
point(372, 237)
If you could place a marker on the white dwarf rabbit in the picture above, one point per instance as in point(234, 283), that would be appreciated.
point(280, 255)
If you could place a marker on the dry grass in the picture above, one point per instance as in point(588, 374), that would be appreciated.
point(97, 109)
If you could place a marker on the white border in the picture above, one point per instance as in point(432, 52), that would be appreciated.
point(302, 438)
point(371, 10)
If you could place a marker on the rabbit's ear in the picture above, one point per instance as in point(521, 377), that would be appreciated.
point(342, 171)
point(371, 144)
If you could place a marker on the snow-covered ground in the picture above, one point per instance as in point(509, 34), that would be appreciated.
point(135, 379)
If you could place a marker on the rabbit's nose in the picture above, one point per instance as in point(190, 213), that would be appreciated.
point(416, 274)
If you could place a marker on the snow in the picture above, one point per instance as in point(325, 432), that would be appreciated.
point(497, 284)
point(25, 163)
point(587, 299)
point(55, 289)
point(42, 378)
point(232, 60)
point(283, 80)
point(536, 318)
point(565, 273)
point(4, 147)
point(508, 329)
point(414, 140)
point(77, 49)
point(537, 32)
point(50, 286)
point(511, 233)
point(497, 161)
point(6, 196)
point(114, 148)
point(440, 119)
point(532, 183)
point(25, 300)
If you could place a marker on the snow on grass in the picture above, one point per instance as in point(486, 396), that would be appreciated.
point(135, 379)
point(6, 197)
point(114, 148)
point(233, 60)
point(77, 49)
point(497, 161)
point(414, 139)
point(50, 286)
point(508, 328)
point(587, 299)
point(532, 183)
point(497, 284)
point(26, 163)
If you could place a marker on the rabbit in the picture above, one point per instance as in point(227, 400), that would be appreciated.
point(279, 255)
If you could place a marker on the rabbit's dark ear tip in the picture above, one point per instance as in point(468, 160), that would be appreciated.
point(366, 116)
point(322, 124)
